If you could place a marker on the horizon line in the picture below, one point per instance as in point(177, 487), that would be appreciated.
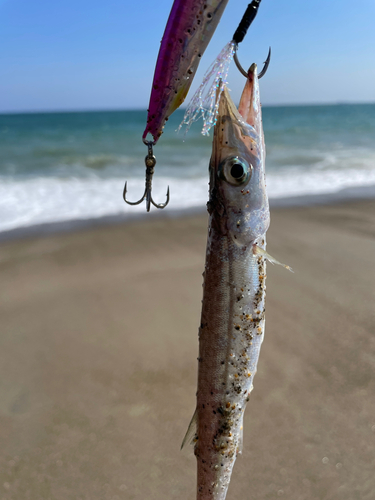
point(121, 110)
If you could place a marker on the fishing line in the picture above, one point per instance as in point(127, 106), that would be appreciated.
point(247, 19)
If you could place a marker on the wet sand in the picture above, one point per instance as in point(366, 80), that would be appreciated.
point(98, 351)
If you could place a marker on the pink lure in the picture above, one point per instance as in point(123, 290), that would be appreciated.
point(189, 29)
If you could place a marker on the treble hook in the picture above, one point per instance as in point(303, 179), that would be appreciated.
point(264, 69)
point(150, 162)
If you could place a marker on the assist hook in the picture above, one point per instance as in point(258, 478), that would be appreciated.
point(240, 33)
point(150, 162)
point(261, 73)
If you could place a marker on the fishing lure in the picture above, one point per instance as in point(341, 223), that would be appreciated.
point(189, 29)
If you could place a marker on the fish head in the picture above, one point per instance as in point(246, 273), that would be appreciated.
point(238, 194)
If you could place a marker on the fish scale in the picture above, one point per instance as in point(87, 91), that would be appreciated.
point(230, 337)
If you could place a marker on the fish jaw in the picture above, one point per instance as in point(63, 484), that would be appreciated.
point(239, 136)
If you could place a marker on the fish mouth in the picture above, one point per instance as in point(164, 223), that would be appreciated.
point(239, 128)
point(249, 106)
point(248, 110)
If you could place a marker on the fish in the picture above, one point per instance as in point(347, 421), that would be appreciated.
point(189, 29)
point(232, 324)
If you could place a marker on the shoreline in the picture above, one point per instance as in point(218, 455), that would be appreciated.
point(350, 194)
point(98, 360)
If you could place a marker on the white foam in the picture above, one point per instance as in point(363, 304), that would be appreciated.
point(293, 182)
point(45, 200)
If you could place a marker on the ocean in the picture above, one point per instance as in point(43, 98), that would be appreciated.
point(66, 166)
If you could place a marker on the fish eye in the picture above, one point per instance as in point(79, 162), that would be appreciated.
point(235, 171)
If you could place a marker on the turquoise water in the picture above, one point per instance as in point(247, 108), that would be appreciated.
point(62, 166)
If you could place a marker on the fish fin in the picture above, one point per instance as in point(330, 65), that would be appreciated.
point(191, 434)
point(259, 251)
point(240, 438)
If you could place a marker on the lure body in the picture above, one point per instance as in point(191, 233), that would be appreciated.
point(189, 29)
point(233, 307)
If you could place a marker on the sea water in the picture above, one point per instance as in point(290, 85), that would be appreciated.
point(66, 166)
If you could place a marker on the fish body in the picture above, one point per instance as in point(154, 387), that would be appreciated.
point(189, 29)
point(233, 306)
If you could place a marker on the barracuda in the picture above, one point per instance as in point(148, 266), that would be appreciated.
point(233, 307)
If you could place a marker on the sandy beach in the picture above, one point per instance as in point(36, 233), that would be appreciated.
point(98, 351)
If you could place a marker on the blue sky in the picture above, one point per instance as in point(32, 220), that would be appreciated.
point(90, 54)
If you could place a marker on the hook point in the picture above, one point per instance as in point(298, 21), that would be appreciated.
point(266, 64)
